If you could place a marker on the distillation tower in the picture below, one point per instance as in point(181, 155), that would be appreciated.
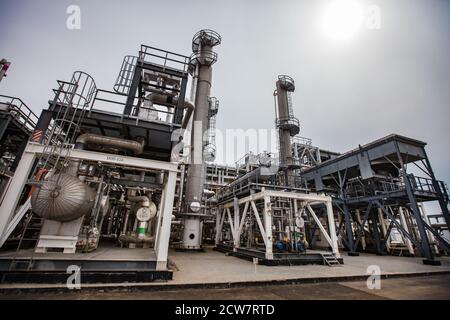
point(287, 125)
point(202, 59)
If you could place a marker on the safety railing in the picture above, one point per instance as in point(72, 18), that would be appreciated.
point(302, 140)
point(379, 186)
point(163, 58)
point(288, 123)
point(19, 111)
point(114, 102)
point(208, 36)
point(422, 184)
point(125, 77)
point(286, 82)
point(204, 57)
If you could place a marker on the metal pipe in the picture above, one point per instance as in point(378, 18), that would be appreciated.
point(164, 99)
point(135, 146)
point(145, 201)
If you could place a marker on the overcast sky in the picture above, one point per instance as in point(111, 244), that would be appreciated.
point(392, 80)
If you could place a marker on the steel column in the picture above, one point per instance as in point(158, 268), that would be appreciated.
point(162, 246)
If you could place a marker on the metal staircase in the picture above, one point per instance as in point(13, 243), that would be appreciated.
point(330, 260)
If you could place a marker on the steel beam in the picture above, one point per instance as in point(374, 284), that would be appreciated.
point(166, 216)
point(424, 243)
point(12, 195)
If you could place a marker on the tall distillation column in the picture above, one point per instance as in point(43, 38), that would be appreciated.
point(287, 125)
point(202, 59)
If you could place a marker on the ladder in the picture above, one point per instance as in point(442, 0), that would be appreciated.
point(30, 233)
point(330, 260)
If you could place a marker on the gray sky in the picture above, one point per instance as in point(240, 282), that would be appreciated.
point(392, 80)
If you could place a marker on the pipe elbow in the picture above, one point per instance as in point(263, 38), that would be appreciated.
point(144, 199)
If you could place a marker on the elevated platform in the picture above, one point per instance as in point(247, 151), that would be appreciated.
point(157, 133)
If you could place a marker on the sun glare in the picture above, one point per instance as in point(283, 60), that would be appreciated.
point(342, 19)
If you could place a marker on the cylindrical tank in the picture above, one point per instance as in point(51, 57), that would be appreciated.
point(62, 198)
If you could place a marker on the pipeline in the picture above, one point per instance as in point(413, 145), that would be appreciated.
point(135, 146)
point(163, 99)
point(136, 239)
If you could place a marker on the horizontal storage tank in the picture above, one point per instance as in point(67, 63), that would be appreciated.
point(62, 198)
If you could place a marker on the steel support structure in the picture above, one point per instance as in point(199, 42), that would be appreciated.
point(375, 195)
point(34, 150)
point(235, 212)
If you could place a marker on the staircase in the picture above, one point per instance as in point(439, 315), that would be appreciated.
point(399, 249)
point(330, 260)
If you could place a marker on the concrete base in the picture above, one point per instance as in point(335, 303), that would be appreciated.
point(278, 259)
point(104, 265)
point(94, 277)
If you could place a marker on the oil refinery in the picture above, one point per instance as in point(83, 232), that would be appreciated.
point(229, 150)
point(109, 180)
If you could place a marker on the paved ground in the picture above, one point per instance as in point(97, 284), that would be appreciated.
point(429, 287)
point(211, 267)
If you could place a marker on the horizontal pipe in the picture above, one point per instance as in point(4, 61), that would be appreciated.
point(136, 147)
point(135, 239)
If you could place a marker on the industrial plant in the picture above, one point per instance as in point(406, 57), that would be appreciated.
point(113, 180)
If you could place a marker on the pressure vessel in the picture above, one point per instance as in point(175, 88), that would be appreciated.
point(62, 198)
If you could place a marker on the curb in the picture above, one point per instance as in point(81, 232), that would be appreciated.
point(218, 285)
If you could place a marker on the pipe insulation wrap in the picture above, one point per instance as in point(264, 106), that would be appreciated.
point(90, 138)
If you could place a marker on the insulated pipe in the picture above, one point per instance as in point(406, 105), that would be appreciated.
point(136, 147)
point(164, 99)
point(143, 199)
point(208, 192)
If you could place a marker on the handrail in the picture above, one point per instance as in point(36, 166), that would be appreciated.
point(28, 116)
